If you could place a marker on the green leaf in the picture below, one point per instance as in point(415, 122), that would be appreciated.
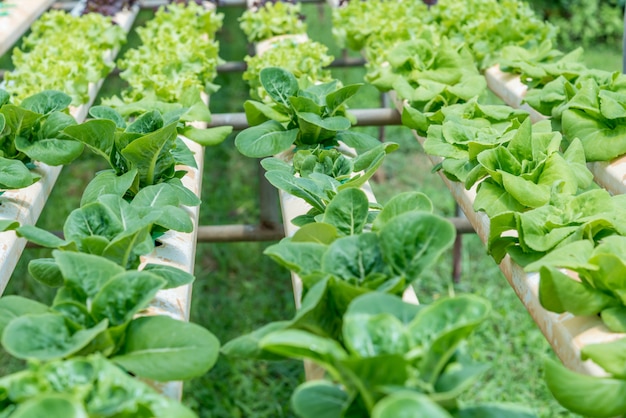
point(47, 101)
point(303, 345)
point(85, 271)
point(247, 346)
point(375, 303)
point(181, 349)
point(355, 258)
point(150, 154)
point(46, 271)
point(12, 307)
point(442, 326)
point(374, 335)
point(413, 241)
point(306, 189)
point(348, 211)
point(408, 405)
point(125, 294)
point(45, 337)
point(615, 318)
point(108, 182)
point(319, 399)
point(97, 134)
point(174, 277)
point(337, 98)
point(40, 236)
point(359, 141)
point(611, 356)
point(402, 203)
point(316, 232)
point(257, 113)
point(600, 397)
point(209, 136)
point(301, 257)
point(106, 112)
point(559, 293)
point(264, 140)
point(280, 84)
point(146, 123)
point(51, 405)
point(15, 175)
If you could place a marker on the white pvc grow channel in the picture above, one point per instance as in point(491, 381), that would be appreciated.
point(20, 15)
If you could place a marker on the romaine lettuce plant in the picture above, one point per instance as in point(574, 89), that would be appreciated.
point(596, 116)
point(33, 131)
point(149, 146)
point(599, 288)
point(385, 350)
point(525, 171)
point(591, 215)
point(430, 76)
point(306, 60)
point(313, 117)
point(95, 312)
point(113, 228)
point(592, 396)
point(338, 260)
point(82, 387)
point(272, 19)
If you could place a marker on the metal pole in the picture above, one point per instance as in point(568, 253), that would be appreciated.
point(269, 212)
point(457, 250)
point(238, 233)
point(365, 117)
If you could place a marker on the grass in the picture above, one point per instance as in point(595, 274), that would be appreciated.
point(238, 289)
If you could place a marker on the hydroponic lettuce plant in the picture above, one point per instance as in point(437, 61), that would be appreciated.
point(272, 19)
point(387, 350)
point(178, 52)
point(306, 60)
point(113, 228)
point(525, 171)
point(312, 117)
point(484, 26)
point(596, 115)
point(338, 259)
point(430, 76)
point(359, 23)
point(598, 289)
point(591, 215)
point(95, 311)
point(32, 132)
point(462, 130)
point(319, 183)
point(71, 63)
point(490, 25)
point(592, 396)
point(149, 146)
point(82, 387)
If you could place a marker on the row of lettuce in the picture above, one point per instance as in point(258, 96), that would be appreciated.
point(529, 179)
point(85, 349)
point(382, 357)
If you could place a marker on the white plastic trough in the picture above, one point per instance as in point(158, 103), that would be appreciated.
point(25, 205)
point(566, 333)
point(22, 13)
